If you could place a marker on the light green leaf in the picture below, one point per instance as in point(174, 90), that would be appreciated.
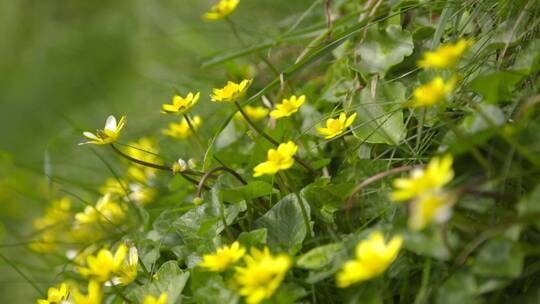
point(169, 278)
point(380, 119)
point(285, 224)
point(253, 238)
point(382, 49)
point(250, 191)
point(318, 257)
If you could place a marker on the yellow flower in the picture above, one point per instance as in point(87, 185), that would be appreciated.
point(56, 295)
point(181, 105)
point(222, 9)
point(109, 134)
point(288, 107)
point(181, 130)
point(150, 299)
point(336, 126)
point(144, 149)
point(127, 271)
point(278, 159)
point(373, 256)
point(46, 243)
point(437, 174)
point(104, 265)
point(141, 194)
point(94, 295)
point(254, 113)
point(223, 258)
point(106, 211)
point(113, 186)
point(428, 207)
point(179, 166)
point(262, 275)
point(432, 92)
point(232, 91)
point(57, 212)
point(446, 56)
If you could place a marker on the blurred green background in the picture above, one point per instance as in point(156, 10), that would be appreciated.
point(66, 65)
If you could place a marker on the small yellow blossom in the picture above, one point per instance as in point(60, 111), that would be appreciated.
point(288, 107)
point(113, 186)
point(232, 91)
point(182, 130)
point(278, 159)
point(429, 207)
point(437, 174)
point(106, 211)
point(181, 105)
point(141, 194)
point(150, 299)
point(57, 212)
point(223, 258)
point(127, 271)
point(222, 9)
point(102, 266)
point(262, 275)
point(373, 256)
point(336, 126)
point(253, 113)
point(446, 56)
point(432, 92)
point(46, 243)
point(56, 295)
point(179, 166)
point(144, 149)
point(108, 135)
point(94, 295)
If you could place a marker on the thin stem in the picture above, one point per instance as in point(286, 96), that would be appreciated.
point(300, 202)
point(119, 293)
point(420, 129)
point(22, 274)
point(195, 134)
point(270, 139)
point(214, 170)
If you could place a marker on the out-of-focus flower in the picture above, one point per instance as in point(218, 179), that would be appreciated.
point(373, 256)
point(432, 92)
point(222, 9)
point(278, 159)
point(181, 105)
point(106, 211)
point(437, 174)
point(150, 299)
point(94, 295)
point(253, 113)
point(46, 243)
point(113, 186)
point(107, 135)
point(446, 56)
point(432, 206)
point(336, 126)
point(262, 275)
point(232, 91)
point(182, 130)
point(288, 107)
point(56, 295)
point(223, 258)
point(57, 212)
point(102, 266)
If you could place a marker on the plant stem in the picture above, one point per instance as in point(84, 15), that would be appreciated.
point(300, 202)
point(195, 134)
point(23, 275)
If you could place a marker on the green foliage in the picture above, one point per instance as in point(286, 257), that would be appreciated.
point(317, 215)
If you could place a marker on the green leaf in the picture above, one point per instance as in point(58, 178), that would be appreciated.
point(210, 288)
point(476, 122)
point(285, 224)
point(529, 205)
point(244, 193)
point(460, 288)
point(499, 257)
point(380, 118)
point(497, 86)
point(253, 238)
point(318, 257)
point(169, 278)
point(528, 60)
point(382, 49)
